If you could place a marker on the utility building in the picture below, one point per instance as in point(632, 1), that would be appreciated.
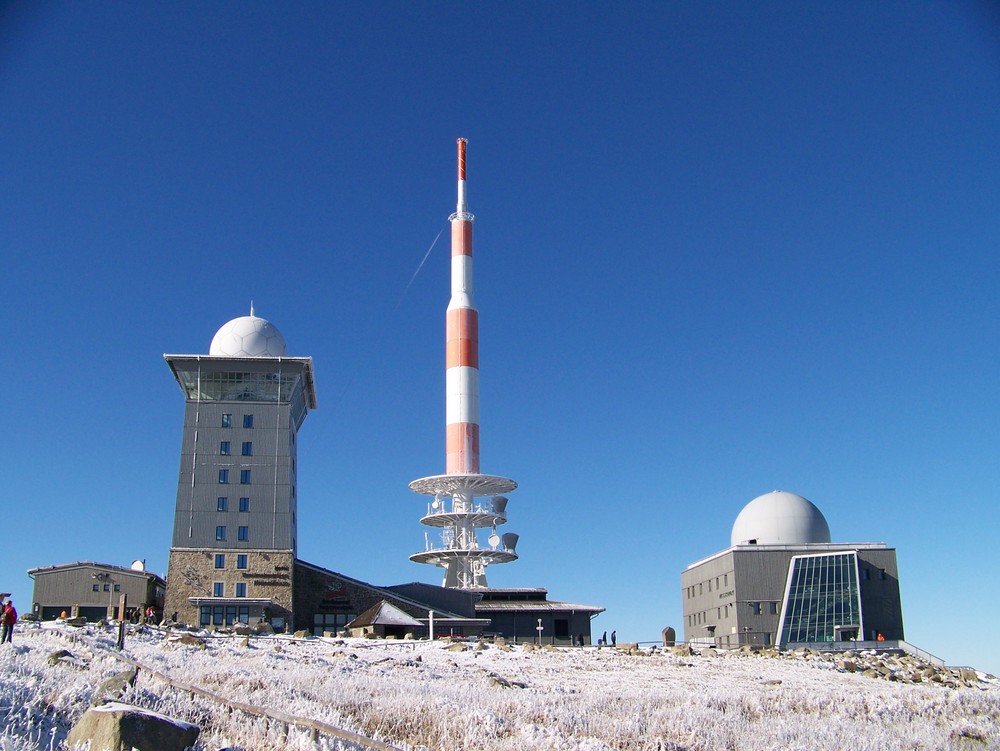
point(782, 581)
point(93, 590)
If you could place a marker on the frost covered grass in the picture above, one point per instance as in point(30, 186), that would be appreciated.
point(422, 695)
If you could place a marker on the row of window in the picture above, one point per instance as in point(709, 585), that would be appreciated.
point(721, 612)
point(227, 421)
point(219, 589)
point(720, 582)
point(241, 560)
point(107, 588)
point(245, 477)
point(222, 504)
point(226, 448)
point(224, 615)
point(242, 533)
point(330, 622)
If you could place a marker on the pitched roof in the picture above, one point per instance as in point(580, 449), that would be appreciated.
point(383, 614)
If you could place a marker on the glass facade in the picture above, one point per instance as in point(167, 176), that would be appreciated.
point(822, 599)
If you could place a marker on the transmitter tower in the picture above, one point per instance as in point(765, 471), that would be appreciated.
point(464, 501)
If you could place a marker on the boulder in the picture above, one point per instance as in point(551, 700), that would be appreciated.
point(242, 630)
point(189, 640)
point(264, 628)
point(59, 655)
point(113, 688)
point(301, 634)
point(681, 650)
point(122, 727)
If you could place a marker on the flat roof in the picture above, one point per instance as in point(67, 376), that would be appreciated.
point(812, 547)
point(534, 606)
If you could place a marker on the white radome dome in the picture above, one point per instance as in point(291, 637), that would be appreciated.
point(248, 336)
point(780, 518)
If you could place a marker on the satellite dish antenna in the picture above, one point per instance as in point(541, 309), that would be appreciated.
point(435, 504)
point(139, 564)
point(494, 539)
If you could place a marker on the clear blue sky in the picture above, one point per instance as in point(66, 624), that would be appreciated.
point(721, 249)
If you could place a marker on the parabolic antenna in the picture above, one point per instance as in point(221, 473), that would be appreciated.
point(494, 540)
point(138, 565)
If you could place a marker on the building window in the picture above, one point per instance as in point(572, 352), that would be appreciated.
point(107, 587)
point(773, 608)
point(247, 421)
point(97, 587)
point(755, 608)
point(223, 476)
point(243, 534)
point(224, 448)
point(725, 580)
point(244, 504)
point(220, 560)
point(222, 504)
point(247, 448)
point(241, 589)
point(881, 573)
point(220, 533)
point(118, 588)
point(244, 477)
point(241, 561)
point(218, 589)
point(227, 421)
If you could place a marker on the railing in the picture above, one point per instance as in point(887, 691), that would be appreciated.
point(887, 645)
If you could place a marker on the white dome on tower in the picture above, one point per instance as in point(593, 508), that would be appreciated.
point(780, 518)
point(248, 336)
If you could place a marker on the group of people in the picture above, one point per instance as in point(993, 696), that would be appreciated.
point(603, 641)
point(8, 617)
point(140, 615)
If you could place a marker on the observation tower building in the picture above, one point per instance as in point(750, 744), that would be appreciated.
point(463, 500)
point(233, 553)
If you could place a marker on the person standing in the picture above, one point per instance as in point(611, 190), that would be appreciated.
point(614, 638)
point(7, 620)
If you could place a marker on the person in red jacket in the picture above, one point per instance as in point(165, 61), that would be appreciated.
point(7, 620)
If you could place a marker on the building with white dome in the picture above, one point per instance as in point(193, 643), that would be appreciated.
point(782, 581)
point(235, 527)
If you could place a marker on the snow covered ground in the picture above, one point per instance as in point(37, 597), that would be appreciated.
point(423, 695)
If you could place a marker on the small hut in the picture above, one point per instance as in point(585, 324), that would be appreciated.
point(386, 621)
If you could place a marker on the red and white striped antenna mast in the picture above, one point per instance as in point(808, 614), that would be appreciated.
point(455, 508)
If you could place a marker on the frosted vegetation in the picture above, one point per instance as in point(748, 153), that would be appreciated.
point(422, 695)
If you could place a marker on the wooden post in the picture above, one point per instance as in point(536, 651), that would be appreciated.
point(121, 621)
